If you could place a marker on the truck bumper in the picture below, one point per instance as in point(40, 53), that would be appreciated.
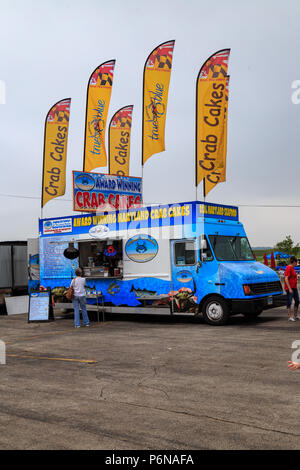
point(254, 305)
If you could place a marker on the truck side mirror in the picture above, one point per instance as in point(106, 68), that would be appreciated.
point(203, 244)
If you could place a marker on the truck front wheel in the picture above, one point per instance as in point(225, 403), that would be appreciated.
point(215, 311)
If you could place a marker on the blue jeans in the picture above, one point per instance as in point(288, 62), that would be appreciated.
point(289, 298)
point(76, 302)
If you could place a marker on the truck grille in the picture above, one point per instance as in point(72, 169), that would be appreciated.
point(265, 287)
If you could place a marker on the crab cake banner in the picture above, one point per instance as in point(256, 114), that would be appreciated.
point(119, 141)
point(157, 73)
point(55, 151)
point(98, 98)
point(210, 110)
point(220, 174)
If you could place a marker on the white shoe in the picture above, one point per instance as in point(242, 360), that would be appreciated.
point(291, 319)
point(298, 317)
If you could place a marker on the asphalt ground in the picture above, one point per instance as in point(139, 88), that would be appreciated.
point(148, 382)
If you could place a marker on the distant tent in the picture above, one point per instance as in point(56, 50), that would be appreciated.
point(279, 254)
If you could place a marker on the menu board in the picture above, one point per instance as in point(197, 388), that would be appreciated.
point(53, 264)
point(39, 306)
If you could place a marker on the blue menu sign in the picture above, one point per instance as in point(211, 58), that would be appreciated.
point(39, 306)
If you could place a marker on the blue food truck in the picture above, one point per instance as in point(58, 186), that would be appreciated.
point(190, 258)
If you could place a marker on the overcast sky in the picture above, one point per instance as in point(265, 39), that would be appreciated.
point(48, 49)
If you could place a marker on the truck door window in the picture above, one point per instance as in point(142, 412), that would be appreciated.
point(185, 253)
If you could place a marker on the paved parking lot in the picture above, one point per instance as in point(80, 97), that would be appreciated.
point(149, 383)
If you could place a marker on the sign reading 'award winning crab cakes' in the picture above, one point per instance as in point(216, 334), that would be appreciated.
point(141, 248)
point(99, 192)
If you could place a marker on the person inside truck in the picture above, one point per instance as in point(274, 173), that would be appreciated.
point(290, 287)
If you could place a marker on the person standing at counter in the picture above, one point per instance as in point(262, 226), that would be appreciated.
point(78, 284)
point(290, 287)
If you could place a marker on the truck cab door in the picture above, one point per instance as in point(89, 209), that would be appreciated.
point(208, 271)
point(184, 259)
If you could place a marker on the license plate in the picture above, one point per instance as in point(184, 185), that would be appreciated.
point(270, 300)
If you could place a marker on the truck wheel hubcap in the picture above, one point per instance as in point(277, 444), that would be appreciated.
point(214, 311)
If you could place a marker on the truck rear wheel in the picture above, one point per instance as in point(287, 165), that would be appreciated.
point(215, 311)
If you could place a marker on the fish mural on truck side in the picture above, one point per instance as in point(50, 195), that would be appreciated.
point(140, 293)
point(113, 288)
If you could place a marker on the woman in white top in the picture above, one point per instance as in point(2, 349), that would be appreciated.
point(79, 299)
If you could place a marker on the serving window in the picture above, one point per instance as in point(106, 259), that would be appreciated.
point(101, 258)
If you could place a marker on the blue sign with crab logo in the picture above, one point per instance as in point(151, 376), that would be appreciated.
point(184, 276)
point(141, 248)
point(85, 182)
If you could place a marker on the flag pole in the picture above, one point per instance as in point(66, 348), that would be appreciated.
point(143, 125)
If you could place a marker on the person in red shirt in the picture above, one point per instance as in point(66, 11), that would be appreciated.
point(290, 287)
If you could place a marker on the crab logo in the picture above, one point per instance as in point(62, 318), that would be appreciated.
point(184, 276)
point(84, 182)
point(141, 248)
point(47, 226)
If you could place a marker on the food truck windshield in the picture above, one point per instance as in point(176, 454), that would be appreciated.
point(231, 248)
